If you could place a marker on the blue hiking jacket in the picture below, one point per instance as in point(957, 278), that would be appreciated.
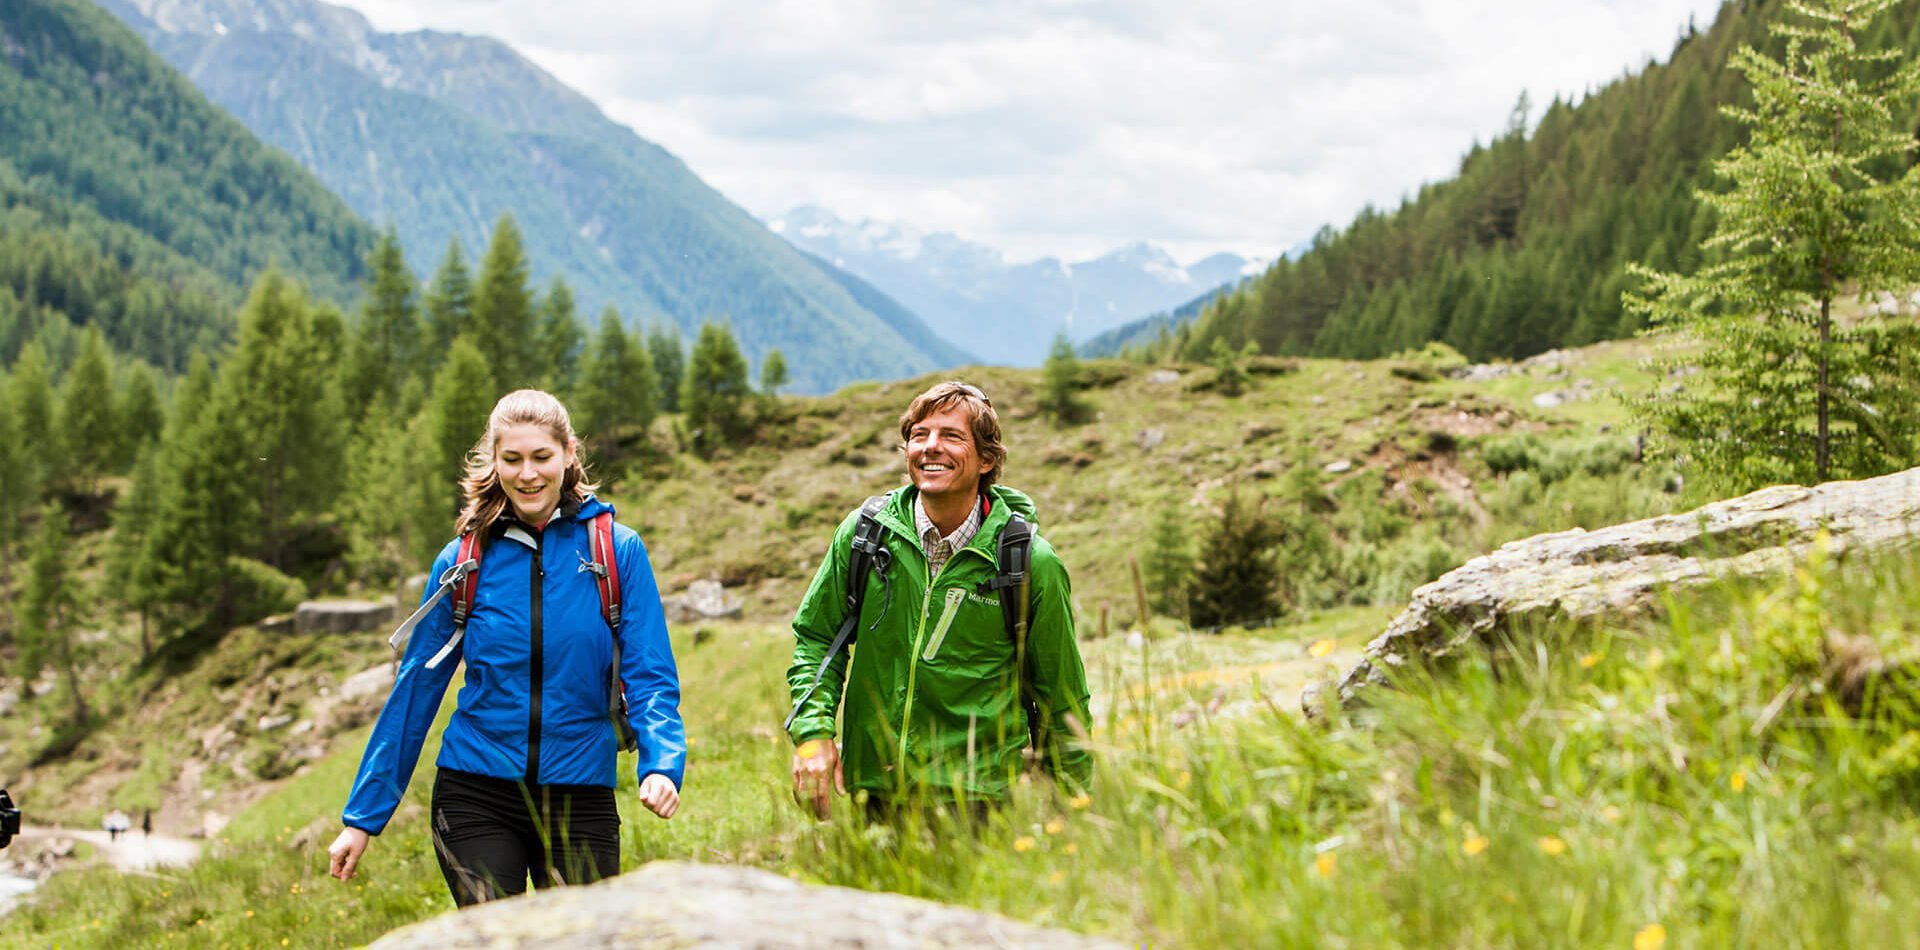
point(539, 660)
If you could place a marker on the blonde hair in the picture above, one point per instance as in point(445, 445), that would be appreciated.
point(983, 421)
point(485, 500)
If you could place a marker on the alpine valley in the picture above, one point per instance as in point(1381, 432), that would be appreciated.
point(439, 135)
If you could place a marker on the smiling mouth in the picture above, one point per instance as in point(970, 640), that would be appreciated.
point(936, 467)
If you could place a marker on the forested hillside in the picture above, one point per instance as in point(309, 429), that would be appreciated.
point(1526, 248)
point(438, 135)
point(132, 203)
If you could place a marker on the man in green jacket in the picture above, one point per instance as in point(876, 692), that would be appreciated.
point(932, 690)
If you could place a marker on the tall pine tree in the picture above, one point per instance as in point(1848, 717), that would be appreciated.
point(449, 307)
point(716, 391)
point(1823, 204)
point(503, 319)
point(87, 418)
point(618, 397)
point(669, 363)
point(560, 340)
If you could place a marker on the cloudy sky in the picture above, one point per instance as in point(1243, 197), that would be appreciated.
point(1069, 127)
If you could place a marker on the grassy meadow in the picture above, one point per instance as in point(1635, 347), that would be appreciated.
point(1718, 776)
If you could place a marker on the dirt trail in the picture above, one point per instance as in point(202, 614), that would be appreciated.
point(133, 852)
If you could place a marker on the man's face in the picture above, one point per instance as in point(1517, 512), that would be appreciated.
point(942, 459)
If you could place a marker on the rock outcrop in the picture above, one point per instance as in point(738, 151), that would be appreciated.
point(342, 616)
point(703, 600)
point(672, 904)
point(1621, 571)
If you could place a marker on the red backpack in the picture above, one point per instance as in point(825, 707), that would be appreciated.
point(459, 581)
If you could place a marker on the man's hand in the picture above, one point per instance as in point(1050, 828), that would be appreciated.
point(816, 769)
point(659, 795)
point(343, 857)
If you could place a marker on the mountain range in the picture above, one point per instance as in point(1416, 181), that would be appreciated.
point(439, 134)
point(1008, 313)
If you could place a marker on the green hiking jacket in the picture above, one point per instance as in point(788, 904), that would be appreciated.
point(932, 700)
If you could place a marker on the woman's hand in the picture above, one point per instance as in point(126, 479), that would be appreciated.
point(659, 795)
point(344, 854)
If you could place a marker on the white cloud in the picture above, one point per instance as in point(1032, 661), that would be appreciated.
point(1067, 128)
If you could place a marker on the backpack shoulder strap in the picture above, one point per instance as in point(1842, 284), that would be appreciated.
point(605, 568)
point(457, 581)
point(1013, 563)
point(868, 550)
point(867, 554)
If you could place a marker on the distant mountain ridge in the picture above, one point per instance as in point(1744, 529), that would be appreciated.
point(131, 203)
point(1007, 313)
point(441, 133)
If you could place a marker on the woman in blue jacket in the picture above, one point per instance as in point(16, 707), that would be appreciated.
point(526, 770)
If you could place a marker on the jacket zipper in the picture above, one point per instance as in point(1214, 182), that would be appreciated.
point(535, 665)
point(913, 666)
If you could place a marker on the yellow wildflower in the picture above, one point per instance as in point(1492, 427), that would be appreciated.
point(1056, 825)
point(1738, 782)
point(1591, 660)
point(1071, 848)
point(1474, 845)
point(249, 913)
point(1327, 865)
point(1552, 844)
point(1320, 648)
point(1610, 813)
point(1023, 843)
point(1650, 937)
point(1080, 801)
point(1186, 779)
point(1057, 876)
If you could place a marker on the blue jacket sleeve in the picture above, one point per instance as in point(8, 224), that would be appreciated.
point(394, 748)
point(647, 670)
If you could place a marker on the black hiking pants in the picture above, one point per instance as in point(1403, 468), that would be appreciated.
point(492, 835)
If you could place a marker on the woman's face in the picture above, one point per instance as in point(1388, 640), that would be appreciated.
point(531, 465)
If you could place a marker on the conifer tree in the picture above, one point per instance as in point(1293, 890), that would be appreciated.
point(390, 334)
point(1061, 400)
point(141, 416)
point(773, 372)
point(715, 392)
point(204, 510)
point(31, 403)
point(619, 391)
point(373, 509)
point(449, 307)
point(1823, 204)
point(50, 609)
point(278, 409)
point(669, 363)
point(463, 397)
point(86, 411)
point(1169, 560)
point(13, 499)
point(503, 318)
point(1236, 579)
point(560, 339)
point(1230, 377)
point(132, 579)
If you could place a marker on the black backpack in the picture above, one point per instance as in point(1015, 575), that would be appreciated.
point(1010, 582)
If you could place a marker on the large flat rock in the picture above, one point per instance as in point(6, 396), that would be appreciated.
point(1621, 571)
point(674, 904)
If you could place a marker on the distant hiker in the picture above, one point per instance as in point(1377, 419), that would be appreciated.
point(527, 764)
point(146, 823)
point(116, 821)
point(956, 672)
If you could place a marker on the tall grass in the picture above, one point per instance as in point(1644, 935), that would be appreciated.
point(1720, 777)
point(1695, 781)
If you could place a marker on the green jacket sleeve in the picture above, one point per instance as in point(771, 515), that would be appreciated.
point(1058, 678)
point(814, 624)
